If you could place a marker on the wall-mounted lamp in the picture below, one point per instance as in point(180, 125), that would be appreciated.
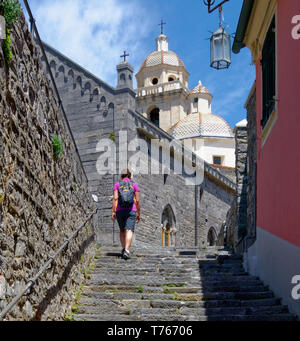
point(210, 3)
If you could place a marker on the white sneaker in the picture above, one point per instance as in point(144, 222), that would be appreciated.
point(126, 255)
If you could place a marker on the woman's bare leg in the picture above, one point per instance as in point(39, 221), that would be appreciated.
point(122, 238)
point(128, 239)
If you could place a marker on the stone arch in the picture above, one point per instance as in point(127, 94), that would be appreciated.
point(53, 64)
point(212, 237)
point(168, 223)
point(111, 108)
point(71, 75)
point(153, 114)
point(122, 78)
point(79, 81)
point(95, 94)
point(171, 78)
point(102, 102)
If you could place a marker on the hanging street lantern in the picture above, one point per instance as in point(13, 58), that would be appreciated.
point(2, 28)
point(220, 46)
point(220, 49)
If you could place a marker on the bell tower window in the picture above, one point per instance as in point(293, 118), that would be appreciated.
point(154, 116)
point(171, 79)
point(155, 81)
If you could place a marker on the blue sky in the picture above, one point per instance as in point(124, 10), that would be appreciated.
point(95, 33)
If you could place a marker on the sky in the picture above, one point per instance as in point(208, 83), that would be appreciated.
point(94, 33)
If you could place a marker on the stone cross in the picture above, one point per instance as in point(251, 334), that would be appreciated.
point(2, 28)
point(162, 23)
point(124, 56)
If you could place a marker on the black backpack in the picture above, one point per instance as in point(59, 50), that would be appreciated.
point(126, 195)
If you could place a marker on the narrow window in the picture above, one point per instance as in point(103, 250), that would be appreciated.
point(268, 64)
point(217, 160)
point(154, 116)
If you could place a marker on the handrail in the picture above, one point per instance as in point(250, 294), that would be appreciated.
point(60, 104)
point(31, 282)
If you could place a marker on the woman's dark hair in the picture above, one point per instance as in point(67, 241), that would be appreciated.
point(126, 174)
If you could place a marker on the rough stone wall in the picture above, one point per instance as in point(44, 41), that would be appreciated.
point(42, 200)
point(252, 150)
point(236, 220)
point(241, 181)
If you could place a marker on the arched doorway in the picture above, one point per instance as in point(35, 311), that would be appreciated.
point(154, 116)
point(212, 237)
point(168, 223)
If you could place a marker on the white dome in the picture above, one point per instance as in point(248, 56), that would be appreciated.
point(162, 57)
point(201, 125)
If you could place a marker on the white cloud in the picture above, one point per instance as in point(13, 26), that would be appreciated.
point(94, 33)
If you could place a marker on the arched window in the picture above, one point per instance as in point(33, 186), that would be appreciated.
point(154, 116)
point(168, 227)
point(123, 78)
point(212, 237)
point(171, 79)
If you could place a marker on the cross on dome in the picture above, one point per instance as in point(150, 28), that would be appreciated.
point(124, 56)
point(162, 23)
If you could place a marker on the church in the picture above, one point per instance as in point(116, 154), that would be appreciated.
point(163, 96)
point(161, 108)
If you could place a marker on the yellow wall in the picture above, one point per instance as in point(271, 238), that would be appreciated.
point(259, 22)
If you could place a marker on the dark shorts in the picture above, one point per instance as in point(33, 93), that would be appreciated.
point(126, 219)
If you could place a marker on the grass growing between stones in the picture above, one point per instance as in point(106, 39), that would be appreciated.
point(57, 146)
point(75, 307)
point(140, 289)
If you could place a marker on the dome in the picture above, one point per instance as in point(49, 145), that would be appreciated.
point(200, 89)
point(162, 57)
point(201, 125)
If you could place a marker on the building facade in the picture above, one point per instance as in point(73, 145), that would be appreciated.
point(270, 29)
point(163, 96)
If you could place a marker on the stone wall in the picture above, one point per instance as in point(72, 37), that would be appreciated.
point(211, 199)
point(252, 150)
point(241, 218)
point(42, 199)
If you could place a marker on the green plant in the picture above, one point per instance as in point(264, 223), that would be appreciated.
point(6, 48)
point(112, 136)
point(140, 289)
point(87, 227)
point(57, 146)
point(11, 11)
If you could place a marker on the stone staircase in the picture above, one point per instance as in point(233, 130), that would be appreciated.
point(176, 285)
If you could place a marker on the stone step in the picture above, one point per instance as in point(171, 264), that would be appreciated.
point(177, 317)
point(215, 303)
point(246, 318)
point(224, 311)
point(186, 284)
point(143, 289)
point(119, 317)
